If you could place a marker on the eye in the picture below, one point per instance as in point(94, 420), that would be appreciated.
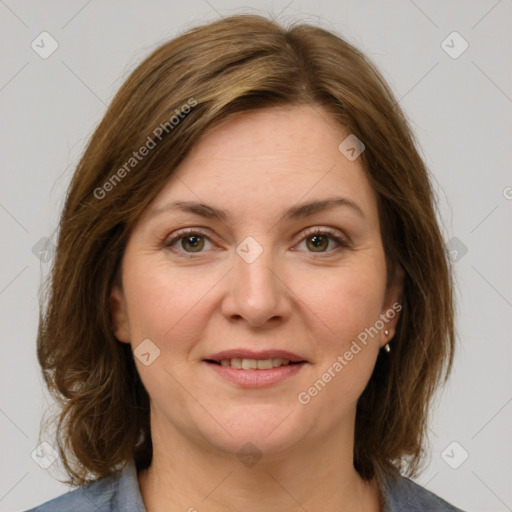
point(318, 240)
point(187, 241)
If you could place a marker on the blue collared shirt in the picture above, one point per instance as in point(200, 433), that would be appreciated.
point(120, 493)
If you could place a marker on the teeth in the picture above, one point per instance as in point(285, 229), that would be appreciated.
point(255, 364)
point(235, 363)
point(265, 364)
point(249, 364)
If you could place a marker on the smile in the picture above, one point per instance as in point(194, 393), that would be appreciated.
point(249, 369)
point(253, 364)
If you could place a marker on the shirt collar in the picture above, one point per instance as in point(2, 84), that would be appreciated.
point(128, 498)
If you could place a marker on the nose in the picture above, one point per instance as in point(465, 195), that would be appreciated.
point(256, 292)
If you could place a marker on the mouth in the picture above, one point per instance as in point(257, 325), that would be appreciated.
point(254, 364)
point(242, 359)
point(255, 369)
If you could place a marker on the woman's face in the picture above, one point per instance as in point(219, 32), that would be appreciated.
point(228, 268)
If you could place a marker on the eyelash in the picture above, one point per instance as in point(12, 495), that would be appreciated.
point(184, 233)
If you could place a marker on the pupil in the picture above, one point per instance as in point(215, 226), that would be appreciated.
point(192, 242)
point(318, 241)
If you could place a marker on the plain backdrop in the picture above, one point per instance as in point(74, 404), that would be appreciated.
point(459, 101)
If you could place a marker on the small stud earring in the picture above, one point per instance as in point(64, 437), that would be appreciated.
point(387, 348)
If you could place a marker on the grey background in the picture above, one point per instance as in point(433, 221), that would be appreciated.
point(460, 109)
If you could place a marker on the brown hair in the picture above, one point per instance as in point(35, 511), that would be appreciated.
point(236, 64)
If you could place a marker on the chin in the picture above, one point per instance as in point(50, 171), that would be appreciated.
point(265, 428)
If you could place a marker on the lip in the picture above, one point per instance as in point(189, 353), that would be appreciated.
point(252, 354)
point(256, 378)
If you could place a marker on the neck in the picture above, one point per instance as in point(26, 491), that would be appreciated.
point(192, 475)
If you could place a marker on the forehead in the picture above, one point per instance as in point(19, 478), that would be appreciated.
point(265, 160)
point(274, 135)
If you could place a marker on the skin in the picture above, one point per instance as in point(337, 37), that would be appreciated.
point(295, 297)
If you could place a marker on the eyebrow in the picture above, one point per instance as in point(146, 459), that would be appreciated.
point(296, 212)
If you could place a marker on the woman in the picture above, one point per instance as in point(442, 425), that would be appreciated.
point(250, 306)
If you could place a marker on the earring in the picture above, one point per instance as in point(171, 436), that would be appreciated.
point(387, 348)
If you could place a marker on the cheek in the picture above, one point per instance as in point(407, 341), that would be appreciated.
point(341, 310)
point(343, 303)
point(166, 306)
point(165, 302)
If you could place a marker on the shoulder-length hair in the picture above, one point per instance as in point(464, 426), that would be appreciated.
point(183, 90)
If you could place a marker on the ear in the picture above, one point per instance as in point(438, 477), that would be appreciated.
point(119, 315)
point(392, 305)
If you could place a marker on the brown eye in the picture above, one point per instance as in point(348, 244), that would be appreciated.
point(192, 243)
point(322, 241)
point(317, 243)
point(187, 242)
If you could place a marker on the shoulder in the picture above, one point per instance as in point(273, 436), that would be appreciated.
point(116, 493)
point(401, 493)
point(95, 496)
